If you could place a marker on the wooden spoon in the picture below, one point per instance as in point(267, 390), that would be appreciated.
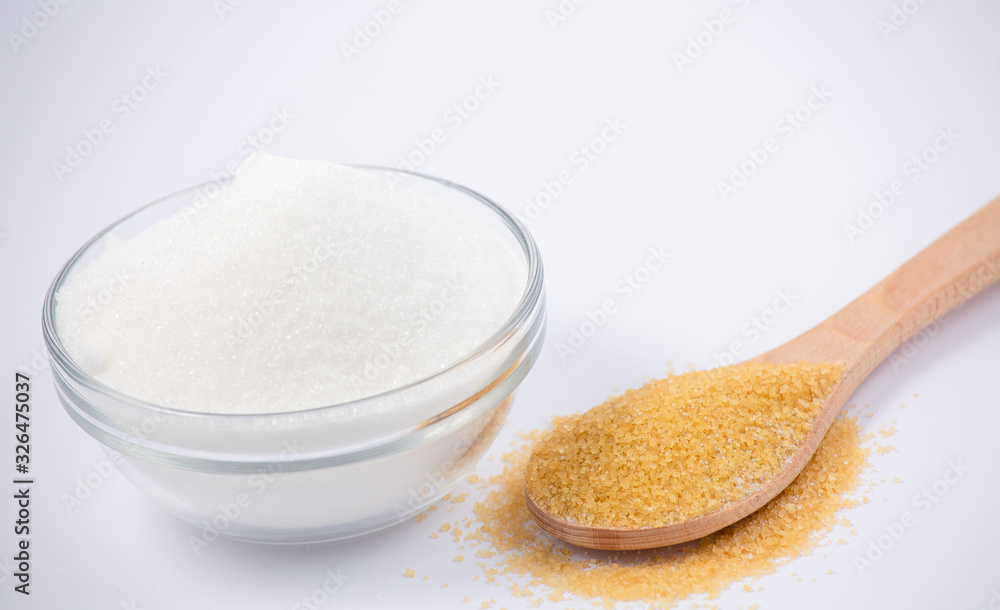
point(861, 335)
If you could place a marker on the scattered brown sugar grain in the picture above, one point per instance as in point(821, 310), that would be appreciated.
point(678, 447)
point(790, 525)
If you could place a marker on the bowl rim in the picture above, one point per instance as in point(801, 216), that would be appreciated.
point(531, 301)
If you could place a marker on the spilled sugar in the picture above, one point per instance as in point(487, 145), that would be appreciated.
point(678, 447)
point(303, 284)
point(511, 550)
point(538, 567)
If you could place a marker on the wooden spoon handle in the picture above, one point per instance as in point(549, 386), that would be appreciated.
point(941, 277)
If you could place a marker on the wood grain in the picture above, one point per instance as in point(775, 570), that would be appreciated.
point(861, 335)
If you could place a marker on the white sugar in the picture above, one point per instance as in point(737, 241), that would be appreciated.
point(303, 284)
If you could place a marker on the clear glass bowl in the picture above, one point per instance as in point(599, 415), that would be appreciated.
point(318, 474)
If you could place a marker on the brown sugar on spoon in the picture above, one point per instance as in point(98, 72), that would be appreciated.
point(631, 462)
point(628, 495)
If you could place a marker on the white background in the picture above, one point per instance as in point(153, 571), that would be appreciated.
point(655, 185)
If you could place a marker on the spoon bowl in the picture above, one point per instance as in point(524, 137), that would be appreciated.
point(938, 279)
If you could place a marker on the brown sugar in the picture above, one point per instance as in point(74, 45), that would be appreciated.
point(678, 447)
point(790, 525)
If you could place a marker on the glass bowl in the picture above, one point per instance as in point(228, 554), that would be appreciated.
point(317, 474)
